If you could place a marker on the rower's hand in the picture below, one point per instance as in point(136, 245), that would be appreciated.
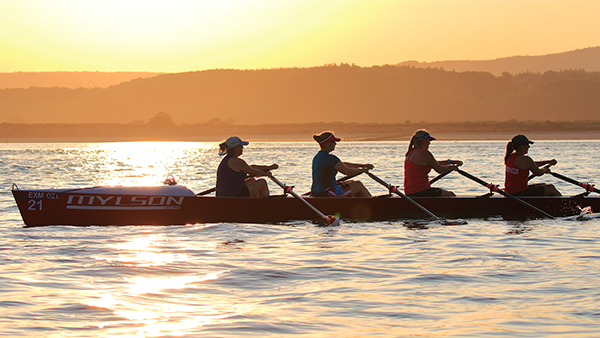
point(454, 163)
point(552, 162)
point(273, 166)
point(368, 166)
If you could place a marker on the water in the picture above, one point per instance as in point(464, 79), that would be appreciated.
point(535, 278)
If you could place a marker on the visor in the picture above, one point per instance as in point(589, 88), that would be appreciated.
point(330, 138)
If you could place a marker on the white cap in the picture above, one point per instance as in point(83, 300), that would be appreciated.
point(235, 141)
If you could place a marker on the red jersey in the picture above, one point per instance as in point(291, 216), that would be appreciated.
point(515, 178)
point(415, 176)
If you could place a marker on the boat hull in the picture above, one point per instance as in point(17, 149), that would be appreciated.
point(176, 205)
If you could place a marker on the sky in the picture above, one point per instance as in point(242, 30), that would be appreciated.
point(189, 35)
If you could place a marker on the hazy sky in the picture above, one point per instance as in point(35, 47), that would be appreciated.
point(180, 35)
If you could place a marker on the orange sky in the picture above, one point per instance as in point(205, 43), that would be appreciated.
point(178, 35)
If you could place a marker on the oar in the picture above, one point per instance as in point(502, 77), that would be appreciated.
point(502, 192)
point(395, 190)
point(345, 178)
point(329, 220)
point(532, 175)
point(586, 186)
point(440, 176)
point(206, 192)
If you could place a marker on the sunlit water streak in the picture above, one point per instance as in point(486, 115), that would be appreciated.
point(487, 278)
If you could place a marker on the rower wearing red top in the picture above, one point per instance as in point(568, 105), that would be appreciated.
point(518, 166)
point(419, 162)
point(325, 166)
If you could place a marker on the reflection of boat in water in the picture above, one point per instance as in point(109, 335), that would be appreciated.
point(170, 205)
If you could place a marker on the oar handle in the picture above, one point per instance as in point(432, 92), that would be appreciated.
point(395, 190)
point(495, 188)
point(532, 175)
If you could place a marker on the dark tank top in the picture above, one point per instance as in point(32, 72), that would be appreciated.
point(229, 182)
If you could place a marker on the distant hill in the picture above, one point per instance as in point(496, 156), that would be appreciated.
point(386, 94)
point(586, 59)
point(69, 79)
point(582, 59)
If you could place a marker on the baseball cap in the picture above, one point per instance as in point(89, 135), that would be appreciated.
point(521, 139)
point(235, 141)
point(425, 136)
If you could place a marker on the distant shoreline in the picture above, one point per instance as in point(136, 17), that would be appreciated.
point(441, 136)
point(214, 132)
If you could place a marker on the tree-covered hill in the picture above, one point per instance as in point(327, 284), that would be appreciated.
point(381, 94)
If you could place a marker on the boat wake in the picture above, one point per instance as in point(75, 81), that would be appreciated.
point(585, 215)
point(427, 224)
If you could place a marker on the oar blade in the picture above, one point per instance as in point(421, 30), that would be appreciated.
point(332, 220)
point(453, 222)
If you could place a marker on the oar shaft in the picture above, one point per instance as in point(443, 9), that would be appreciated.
point(410, 200)
point(206, 192)
point(293, 193)
point(438, 177)
point(345, 178)
point(532, 175)
point(502, 192)
point(586, 186)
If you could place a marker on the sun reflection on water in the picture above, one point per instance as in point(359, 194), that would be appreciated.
point(143, 252)
point(146, 163)
point(141, 285)
point(159, 317)
point(155, 302)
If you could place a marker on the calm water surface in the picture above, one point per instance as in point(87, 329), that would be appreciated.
point(489, 278)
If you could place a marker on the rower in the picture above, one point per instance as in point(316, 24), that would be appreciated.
point(325, 166)
point(418, 163)
point(232, 173)
point(517, 170)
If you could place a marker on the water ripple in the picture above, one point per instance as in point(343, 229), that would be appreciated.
point(387, 279)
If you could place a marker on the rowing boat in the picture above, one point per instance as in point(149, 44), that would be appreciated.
point(177, 205)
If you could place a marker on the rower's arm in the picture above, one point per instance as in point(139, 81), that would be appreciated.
point(240, 165)
point(533, 166)
point(542, 163)
point(358, 165)
point(430, 160)
point(344, 169)
point(264, 167)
